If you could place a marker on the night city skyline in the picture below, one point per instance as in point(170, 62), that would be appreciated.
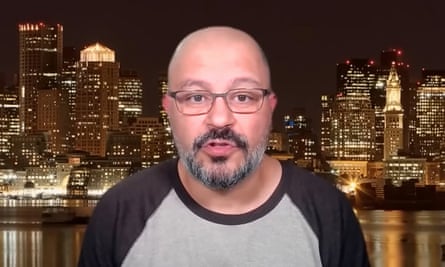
point(303, 44)
point(399, 198)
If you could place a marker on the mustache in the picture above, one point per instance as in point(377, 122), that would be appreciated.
point(222, 134)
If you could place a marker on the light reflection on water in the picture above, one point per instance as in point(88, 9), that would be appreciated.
point(40, 246)
point(404, 238)
point(394, 238)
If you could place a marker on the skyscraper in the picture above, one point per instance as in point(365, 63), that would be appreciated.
point(69, 87)
point(325, 125)
point(352, 124)
point(352, 129)
point(96, 109)
point(430, 109)
point(9, 122)
point(301, 139)
point(53, 118)
point(168, 142)
point(40, 64)
point(130, 97)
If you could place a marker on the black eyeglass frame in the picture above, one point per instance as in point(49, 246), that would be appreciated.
point(173, 94)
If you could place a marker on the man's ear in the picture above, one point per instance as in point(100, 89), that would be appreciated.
point(166, 102)
point(272, 100)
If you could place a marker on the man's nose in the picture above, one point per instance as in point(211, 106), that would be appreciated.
point(220, 114)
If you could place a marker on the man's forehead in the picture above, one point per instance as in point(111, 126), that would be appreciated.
point(214, 42)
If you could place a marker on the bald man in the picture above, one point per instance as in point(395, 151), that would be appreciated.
point(223, 202)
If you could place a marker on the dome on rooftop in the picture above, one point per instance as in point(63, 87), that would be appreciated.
point(97, 53)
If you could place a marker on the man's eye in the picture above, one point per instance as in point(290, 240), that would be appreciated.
point(195, 98)
point(242, 98)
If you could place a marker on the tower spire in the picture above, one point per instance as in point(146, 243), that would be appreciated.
point(393, 90)
point(393, 112)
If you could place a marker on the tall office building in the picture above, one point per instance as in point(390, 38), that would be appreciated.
point(430, 109)
point(96, 108)
point(301, 138)
point(169, 144)
point(325, 125)
point(154, 140)
point(124, 148)
point(130, 97)
point(352, 131)
point(9, 122)
point(393, 132)
point(68, 83)
point(40, 65)
point(356, 77)
point(53, 118)
point(162, 89)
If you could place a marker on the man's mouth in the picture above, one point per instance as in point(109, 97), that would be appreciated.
point(220, 142)
point(219, 148)
point(214, 143)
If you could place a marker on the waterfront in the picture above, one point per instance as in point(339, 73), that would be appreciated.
point(394, 238)
point(404, 238)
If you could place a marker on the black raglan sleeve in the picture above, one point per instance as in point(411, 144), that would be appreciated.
point(121, 215)
point(331, 217)
point(98, 242)
point(353, 251)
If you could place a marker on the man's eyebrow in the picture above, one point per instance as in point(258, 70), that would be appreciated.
point(194, 83)
point(244, 80)
point(200, 84)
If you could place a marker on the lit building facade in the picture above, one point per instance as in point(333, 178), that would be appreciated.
point(393, 133)
point(169, 144)
point(53, 118)
point(29, 150)
point(40, 65)
point(352, 123)
point(154, 148)
point(301, 140)
point(349, 170)
point(69, 87)
point(388, 59)
point(430, 110)
point(352, 129)
point(124, 148)
point(96, 108)
point(130, 97)
point(399, 169)
point(325, 125)
point(9, 123)
point(277, 142)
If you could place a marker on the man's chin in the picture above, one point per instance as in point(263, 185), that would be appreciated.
point(219, 159)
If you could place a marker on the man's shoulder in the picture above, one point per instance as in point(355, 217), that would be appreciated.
point(311, 193)
point(301, 179)
point(152, 180)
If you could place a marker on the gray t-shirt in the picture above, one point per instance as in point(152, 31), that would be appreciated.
point(149, 219)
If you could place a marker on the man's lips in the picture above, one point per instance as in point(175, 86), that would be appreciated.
point(218, 148)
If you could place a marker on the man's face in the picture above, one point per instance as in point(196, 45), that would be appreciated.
point(220, 148)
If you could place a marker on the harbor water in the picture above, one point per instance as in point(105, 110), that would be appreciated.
point(394, 238)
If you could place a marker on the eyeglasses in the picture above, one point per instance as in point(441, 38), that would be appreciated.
point(240, 100)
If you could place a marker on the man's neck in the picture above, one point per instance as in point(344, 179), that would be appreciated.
point(249, 194)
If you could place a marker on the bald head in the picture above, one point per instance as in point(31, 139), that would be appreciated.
point(217, 45)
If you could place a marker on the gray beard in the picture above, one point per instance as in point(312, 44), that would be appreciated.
point(218, 176)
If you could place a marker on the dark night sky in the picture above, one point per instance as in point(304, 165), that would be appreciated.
point(304, 40)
